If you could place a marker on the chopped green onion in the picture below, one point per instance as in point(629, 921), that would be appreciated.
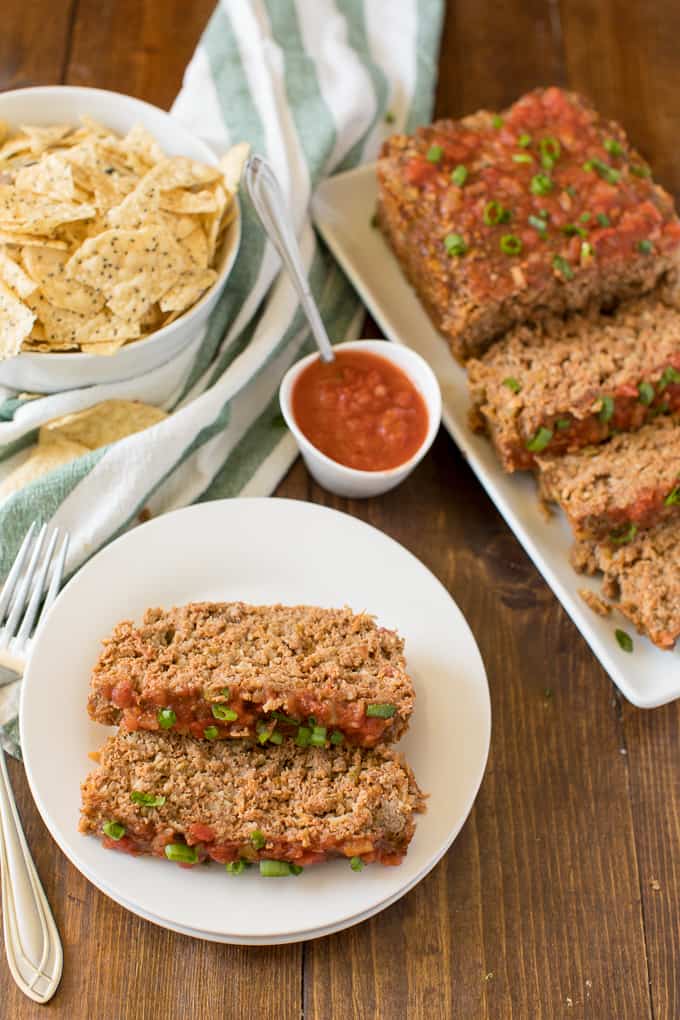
point(540, 184)
point(670, 375)
point(114, 830)
point(296, 869)
point(540, 440)
point(276, 869)
point(606, 172)
point(563, 267)
point(211, 733)
point(311, 721)
point(224, 714)
point(318, 737)
point(645, 393)
point(607, 409)
point(644, 246)
point(303, 736)
point(613, 147)
point(512, 384)
point(586, 251)
point(147, 799)
point(389, 117)
point(522, 157)
point(673, 497)
point(588, 166)
point(182, 853)
point(571, 229)
point(640, 171)
point(624, 536)
point(524, 140)
point(603, 220)
point(236, 867)
point(434, 154)
point(571, 190)
point(166, 718)
point(584, 217)
point(381, 711)
point(550, 150)
point(495, 213)
point(497, 121)
point(510, 244)
point(537, 223)
point(337, 737)
point(264, 731)
point(257, 839)
point(625, 640)
point(356, 864)
point(282, 717)
point(225, 692)
point(563, 423)
point(455, 244)
point(459, 175)
point(276, 737)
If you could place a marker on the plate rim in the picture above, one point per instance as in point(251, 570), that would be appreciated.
point(291, 936)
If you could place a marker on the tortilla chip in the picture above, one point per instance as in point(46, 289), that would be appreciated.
point(196, 247)
point(138, 266)
point(213, 224)
point(15, 322)
point(41, 138)
point(4, 131)
point(42, 460)
point(51, 176)
point(46, 267)
point(14, 276)
point(105, 349)
point(180, 200)
point(31, 239)
point(103, 423)
point(187, 290)
point(24, 211)
point(232, 164)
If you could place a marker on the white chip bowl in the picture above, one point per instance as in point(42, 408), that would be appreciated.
point(352, 482)
point(62, 104)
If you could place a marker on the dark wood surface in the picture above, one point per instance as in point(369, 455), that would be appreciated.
point(561, 896)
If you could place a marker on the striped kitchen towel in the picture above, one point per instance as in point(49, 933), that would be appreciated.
point(315, 85)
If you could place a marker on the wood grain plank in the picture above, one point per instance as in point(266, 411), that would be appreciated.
point(138, 48)
point(33, 42)
point(535, 911)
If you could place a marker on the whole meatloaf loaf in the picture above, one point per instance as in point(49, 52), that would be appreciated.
point(642, 577)
point(621, 487)
point(502, 219)
point(189, 800)
point(567, 383)
point(227, 669)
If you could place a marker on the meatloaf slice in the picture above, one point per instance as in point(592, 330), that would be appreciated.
point(227, 669)
point(621, 487)
point(642, 577)
point(190, 800)
point(572, 382)
point(503, 219)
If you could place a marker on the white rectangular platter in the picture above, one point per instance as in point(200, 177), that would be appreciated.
point(343, 209)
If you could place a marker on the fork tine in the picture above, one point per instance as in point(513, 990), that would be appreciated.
point(55, 581)
point(38, 589)
point(16, 569)
point(19, 600)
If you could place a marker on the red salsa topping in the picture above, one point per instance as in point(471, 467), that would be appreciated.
point(360, 410)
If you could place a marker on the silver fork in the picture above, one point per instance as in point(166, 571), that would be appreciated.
point(32, 941)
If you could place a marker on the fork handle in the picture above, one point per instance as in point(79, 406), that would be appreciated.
point(32, 941)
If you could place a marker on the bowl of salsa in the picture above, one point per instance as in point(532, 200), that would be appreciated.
point(363, 421)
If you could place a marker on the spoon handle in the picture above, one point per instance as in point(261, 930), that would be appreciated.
point(267, 198)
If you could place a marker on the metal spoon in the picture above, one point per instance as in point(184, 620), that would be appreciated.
point(267, 198)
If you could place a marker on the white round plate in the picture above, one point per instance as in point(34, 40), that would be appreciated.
point(259, 551)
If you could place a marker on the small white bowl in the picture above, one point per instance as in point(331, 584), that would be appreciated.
point(62, 104)
point(351, 482)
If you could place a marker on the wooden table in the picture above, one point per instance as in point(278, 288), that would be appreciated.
point(561, 896)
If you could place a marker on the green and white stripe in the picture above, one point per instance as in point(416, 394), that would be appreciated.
point(308, 84)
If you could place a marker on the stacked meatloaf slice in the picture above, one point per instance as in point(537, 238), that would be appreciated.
point(642, 577)
point(568, 383)
point(253, 733)
point(189, 800)
point(236, 670)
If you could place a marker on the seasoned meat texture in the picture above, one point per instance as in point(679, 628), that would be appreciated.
point(642, 578)
point(564, 384)
point(621, 487)
point(503, 219)
point(231, 800)
point(220, 669)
